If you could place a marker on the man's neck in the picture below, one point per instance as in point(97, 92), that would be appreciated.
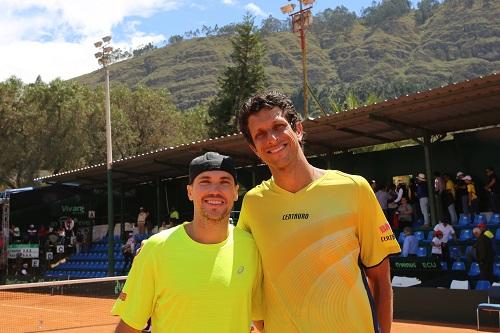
point(296, 176)
point(207, 231)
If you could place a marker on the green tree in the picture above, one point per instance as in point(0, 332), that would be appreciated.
point(243, 78)
point(425, 9)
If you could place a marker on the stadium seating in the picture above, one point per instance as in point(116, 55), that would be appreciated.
point(422, 251)
point(494, 220)
point(479, 218)
point(455, 252)
point(465, 235)
point(464, 220)
point(474, 270)
point(483, 285)
point(458, 266)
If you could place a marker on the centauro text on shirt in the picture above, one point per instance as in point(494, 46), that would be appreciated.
point(187, 287)
point(314, 245)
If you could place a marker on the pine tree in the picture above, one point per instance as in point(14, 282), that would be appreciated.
point(240, 80)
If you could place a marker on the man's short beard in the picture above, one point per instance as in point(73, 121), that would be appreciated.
point(223, 218)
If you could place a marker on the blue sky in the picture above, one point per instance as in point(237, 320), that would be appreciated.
point(54, 38)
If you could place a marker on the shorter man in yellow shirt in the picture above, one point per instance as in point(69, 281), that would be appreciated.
point(471, 190)
point(201, 276)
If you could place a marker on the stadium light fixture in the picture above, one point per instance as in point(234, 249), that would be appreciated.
point(301, 20)
point(104, 59)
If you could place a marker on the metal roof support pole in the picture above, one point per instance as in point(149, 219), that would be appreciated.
point(111, 224)
point(158, 201)
point(123, 237)
point(428, 172)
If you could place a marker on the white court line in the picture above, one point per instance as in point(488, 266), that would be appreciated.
point(35, 308)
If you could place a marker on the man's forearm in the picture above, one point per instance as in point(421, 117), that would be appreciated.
point(383, 304)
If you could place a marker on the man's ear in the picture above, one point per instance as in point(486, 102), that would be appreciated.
point(299, 130)
point(236, 188)
point(189, 189)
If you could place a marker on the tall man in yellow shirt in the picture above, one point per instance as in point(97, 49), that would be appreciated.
point(322, 235)
point(201, 276)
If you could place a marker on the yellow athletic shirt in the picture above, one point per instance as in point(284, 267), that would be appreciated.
point(471, 188)
point(313, 245)
point(188, 287)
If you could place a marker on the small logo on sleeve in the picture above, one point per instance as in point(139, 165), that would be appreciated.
point(384, 228)
point(241, 269)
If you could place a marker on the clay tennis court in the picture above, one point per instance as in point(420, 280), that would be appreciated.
point(27, 313)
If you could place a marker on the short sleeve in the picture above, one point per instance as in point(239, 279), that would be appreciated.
point(136, 301)
point(258, 294)
point(375, 235)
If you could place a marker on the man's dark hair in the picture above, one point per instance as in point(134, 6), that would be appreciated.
point(267, 100)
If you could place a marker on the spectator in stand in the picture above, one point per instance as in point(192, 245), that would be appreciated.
point(437, 242)
point(373, 185)
point(141, 220)
point(174, 217)
point(383, 198)
point(128, 250)
point(449, 198)
point(32, 234)
point(448, 232)
point(410, 244)
point(423, 197)
point(439, 192)
point(392, 205)
point(405, 214)
point(412, 198)
point(69, 233)
point(61, 234)
point(23, 273)
point(42, 234)
point(16, 234)
point(461, 193)
point(484, 229)
point(473, 203)
point(485, 254)
point(493, 189)
point(79, 239)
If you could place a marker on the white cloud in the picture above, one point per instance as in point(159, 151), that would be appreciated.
point(229, 2)
point(54, 38)
point(255, 10)
point(198, 6)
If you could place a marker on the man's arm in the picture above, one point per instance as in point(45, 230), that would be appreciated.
point(379, 280)
point(124, 328)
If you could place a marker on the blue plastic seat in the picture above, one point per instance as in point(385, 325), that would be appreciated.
point(464, 220)
point(494, 220)
point(422, 251)
point(474, 270)
point(458, 266)
point(444, 266)
point(479, 218)
point(455, 252)
point(497, 234)
point(483, 285)
point(496, 270)
point(465, 235)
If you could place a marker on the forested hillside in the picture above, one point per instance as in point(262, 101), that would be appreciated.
point(390, 50)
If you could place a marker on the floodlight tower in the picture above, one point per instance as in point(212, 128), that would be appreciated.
point(301, 20)
point(104, 59)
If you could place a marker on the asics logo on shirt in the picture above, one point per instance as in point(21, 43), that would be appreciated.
point(295, 216)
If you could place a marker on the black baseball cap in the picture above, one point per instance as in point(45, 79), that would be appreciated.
point(211, 161)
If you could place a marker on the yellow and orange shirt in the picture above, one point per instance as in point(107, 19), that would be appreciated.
point(314, 245)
